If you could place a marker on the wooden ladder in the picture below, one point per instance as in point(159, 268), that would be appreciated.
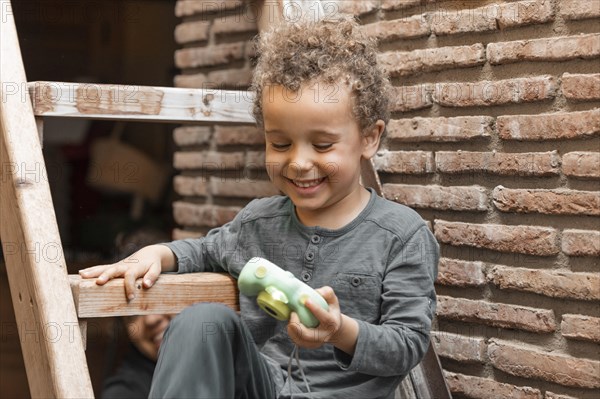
point(50, 306)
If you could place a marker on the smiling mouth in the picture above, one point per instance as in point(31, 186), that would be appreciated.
point(307, 183)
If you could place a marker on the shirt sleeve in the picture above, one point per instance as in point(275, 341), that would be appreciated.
point(214, 252)
point(401, 339)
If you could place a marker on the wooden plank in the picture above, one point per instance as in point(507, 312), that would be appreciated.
point(39, 123)
point(170, 294)
point(140, 103)
point(44, 309)
point(405, 390)
point(428, 379)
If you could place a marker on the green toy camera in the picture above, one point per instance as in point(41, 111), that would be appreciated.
point(279, 292)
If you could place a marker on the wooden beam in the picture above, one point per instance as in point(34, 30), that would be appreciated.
point(140, 103)
point(44, 310)
point(170, 294)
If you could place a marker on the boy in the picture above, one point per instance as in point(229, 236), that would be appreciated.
point(322, 101)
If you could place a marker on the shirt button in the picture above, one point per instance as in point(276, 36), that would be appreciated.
point(306, 276)
point(310, 256)
point(356, 281)
point(315, 239)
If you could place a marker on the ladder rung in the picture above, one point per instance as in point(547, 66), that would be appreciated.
point(170, 294)
point(140, 103)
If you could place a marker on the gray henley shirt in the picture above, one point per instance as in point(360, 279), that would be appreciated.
point(382, 267)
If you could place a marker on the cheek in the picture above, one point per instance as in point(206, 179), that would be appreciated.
point(273, 165)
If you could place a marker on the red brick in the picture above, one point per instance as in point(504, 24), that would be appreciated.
point(241, 188)
point(190, 186)
point(524, 13)
point(238, 135)
point(180, 234)
point(530, 240)
point(556, 126)
point(406, 28)
point(196, 80)
point(239, 23)
point(581, 242)
point(496, 314)
point(495, 92)
point(581, 87)
point(547, 49)
point(411, 98)
point(195, 31)
point(581, 164)
point(404, 162)
point(433, 196)
point(556, 284)
point(485, 388)
point(533, 363)
point(440, 129)
point(239, 79)
point(195, 57)
point(184, 8)
point(469, 20)
point(210, 160)
point(191, 135)
point(551, 395)
point(581, 327)
point(255, 160)
point(509, 164)
point(579, 9)
point(460, 273)
point(188, 214)
point(560, 201)
point(458, 347)
point(399, 4)
point(435, 59)
point(236, 79)
point(353, 7)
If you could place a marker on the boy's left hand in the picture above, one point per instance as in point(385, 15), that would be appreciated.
point(330, 322)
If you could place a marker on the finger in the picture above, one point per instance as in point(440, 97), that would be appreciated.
point(303, 336)
point(130, 278)
point(327, 293)
point(151, 276)
point(295, 328)
point(116, 270)
point(94, 271)
point(321, 314)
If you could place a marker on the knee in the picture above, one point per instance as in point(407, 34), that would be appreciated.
point(207, 317)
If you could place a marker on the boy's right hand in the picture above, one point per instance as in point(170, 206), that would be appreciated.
point(148, 263)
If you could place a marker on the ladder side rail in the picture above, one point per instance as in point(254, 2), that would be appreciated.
point(45, 313)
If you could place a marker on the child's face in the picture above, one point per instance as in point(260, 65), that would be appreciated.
point(314, 147)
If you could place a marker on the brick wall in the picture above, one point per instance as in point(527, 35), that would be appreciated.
point(494, 139)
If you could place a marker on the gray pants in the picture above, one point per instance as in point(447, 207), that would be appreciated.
point(208, 352)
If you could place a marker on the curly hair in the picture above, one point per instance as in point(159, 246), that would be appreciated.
point(332, 50)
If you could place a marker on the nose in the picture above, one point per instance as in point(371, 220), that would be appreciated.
point(300, 163)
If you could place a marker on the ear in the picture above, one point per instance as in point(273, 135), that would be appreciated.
point(371, 139)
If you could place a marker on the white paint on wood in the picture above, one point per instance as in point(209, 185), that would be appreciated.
point(140, 103)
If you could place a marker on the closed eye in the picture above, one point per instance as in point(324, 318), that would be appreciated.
point(322, 147)
point(279, 146)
